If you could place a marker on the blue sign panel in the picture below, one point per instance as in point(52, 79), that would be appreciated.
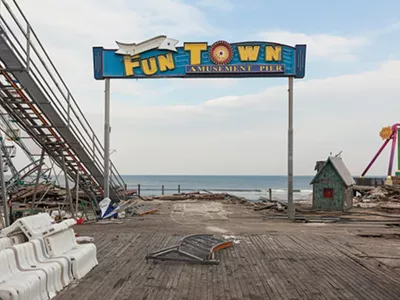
point(159, 58)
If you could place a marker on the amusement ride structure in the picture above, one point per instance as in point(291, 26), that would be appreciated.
point(36, 104)
point(388, 133)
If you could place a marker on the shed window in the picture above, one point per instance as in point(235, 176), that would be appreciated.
point(328, 193)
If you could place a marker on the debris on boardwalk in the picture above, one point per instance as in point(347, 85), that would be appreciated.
point(130, 207)
point(141, 210)
point(197, 248)
point(383, 193)
point(386, 198)
point(187, 196)
point(272, 204)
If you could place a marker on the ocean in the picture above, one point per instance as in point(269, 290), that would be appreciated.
point(250, 187)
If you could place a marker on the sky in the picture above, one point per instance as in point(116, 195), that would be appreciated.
point(235, 126)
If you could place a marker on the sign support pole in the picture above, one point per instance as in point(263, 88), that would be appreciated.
point(291, 210)
point(107, 130)
point(398, 151)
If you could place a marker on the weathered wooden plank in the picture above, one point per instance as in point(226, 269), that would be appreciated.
point(173, 280)
point(184, 283)
point(302, 266)
point(232, 265)
point(123, 267)
point(306, 273)
point(349, 270)
point(136, 288)
point(226, 290)
point(252, 267)
point(240, 275)
point(196, 283)
point(305, 268)
point(166, 272)
point(269, 279)
point(363, 270)
point(326, 270)
point(345, 246)
point(278, 275)
point(343, 278)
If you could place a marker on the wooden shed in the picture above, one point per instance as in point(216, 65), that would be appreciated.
point(332, 186)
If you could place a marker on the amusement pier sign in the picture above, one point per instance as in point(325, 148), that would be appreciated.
point(160, 58)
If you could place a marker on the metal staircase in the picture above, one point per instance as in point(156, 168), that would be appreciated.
point(13, 134)
point(34, 94)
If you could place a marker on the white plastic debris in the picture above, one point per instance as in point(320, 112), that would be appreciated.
point(233, 238)
point(104, 204)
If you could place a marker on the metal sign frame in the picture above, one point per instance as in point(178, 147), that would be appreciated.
point(159, 57)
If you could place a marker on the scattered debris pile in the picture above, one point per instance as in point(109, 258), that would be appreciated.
point(187, 196)
point(238, 200)
point(383, 193)
point(273, 205)
point(386, 197)
point(279, 206)
point(43, 191)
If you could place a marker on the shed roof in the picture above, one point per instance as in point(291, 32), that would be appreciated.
point(340, 168)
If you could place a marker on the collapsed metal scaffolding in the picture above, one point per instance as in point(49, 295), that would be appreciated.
point(36, 100)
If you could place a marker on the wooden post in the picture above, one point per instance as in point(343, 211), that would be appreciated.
point(179, 188)
point(270, 193)
point(138, 190)
point(162, 190)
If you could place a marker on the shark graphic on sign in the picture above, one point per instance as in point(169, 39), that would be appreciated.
point(160, 42)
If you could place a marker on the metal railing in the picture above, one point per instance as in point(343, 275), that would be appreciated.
point(38, 64)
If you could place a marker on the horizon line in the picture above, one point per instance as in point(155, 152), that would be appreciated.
point(226, 175)
point(208, 175)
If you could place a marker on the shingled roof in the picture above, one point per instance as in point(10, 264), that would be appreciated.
point(340, 167)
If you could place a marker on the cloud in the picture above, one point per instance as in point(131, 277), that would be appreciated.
point(224, 5)
point(104, 21)
point(247, 134)
point(232, 133)
point(100, 22)
point(388, 29)
point(320, 46)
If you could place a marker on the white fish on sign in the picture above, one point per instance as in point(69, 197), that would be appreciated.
point(159, 42)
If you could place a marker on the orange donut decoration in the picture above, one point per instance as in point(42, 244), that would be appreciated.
point(221, 53)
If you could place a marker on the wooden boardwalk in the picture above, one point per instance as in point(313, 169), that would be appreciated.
point(274, 259)
point(259, 267)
